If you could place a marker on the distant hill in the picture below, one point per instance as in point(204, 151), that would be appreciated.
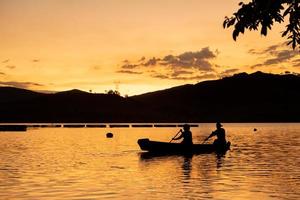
point(68, 106)
point(11, 94)
point(257, 97)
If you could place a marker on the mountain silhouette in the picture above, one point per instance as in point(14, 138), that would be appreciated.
point(257, 97)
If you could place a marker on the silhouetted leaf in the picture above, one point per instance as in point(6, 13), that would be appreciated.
point(231, 22)
point(224, 23)
point(284, 33)
point(264, 13)
point(264, 30)
point(287, 11)
point(235, 34)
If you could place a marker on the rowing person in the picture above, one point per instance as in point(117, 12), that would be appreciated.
point(220, 133)
point(186, 134)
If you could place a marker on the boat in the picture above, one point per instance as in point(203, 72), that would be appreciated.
point(178, 148)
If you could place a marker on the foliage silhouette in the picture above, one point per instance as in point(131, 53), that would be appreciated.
point(264, 13)
point(113, 92)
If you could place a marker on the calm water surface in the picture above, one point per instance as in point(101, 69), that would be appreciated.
point(81, 163)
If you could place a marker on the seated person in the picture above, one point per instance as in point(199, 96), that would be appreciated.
point(186, 134)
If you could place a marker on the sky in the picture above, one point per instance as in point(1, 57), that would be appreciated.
point(134, 46)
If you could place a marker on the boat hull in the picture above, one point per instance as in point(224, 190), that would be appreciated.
point(177, 148)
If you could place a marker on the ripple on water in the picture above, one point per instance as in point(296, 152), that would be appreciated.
point(71, 163)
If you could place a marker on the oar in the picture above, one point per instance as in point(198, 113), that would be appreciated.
point(205, 140)
point(175, 135)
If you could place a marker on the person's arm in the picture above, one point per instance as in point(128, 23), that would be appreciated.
point(179, 137)
point(211, 135)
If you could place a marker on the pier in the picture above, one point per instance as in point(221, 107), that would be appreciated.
point(24, 126)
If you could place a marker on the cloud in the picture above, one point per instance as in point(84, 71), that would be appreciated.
point(160, 76)
point(2, 73)
point(129, 66)
point(128, 72)
point(189, 65)
point(229, 72)
point(142, 59)
point(177, 73)
point(274, 55)
point(95, 67)
point(257, 65)
point(24, 85)
point(296, 63)
point(151, 62)
point(5, 61)
point(10, 66)
point(186, 78)
point(205, 53)
point(268, 50)
point(197, 77)
point(199, 60)
point(35, 60)
point(281, 56)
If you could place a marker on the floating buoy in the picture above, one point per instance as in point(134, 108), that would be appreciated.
point(109, 135)
point(254, 129)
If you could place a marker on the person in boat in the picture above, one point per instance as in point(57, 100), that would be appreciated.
point(186, 134)
point(220, 133)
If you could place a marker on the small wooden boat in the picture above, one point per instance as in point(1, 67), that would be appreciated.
point(178, 148)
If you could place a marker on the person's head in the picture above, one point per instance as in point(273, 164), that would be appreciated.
point(219, 125)
point(186, 127)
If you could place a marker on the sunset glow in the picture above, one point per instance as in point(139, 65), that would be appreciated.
point(135, 46)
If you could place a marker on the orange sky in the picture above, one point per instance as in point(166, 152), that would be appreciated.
point(139, 45)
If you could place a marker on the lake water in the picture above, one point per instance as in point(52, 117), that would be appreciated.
point(81, 163)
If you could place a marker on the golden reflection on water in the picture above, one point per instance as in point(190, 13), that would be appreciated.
point(81, 163)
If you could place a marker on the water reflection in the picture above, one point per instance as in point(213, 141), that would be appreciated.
point(83, 164)
point(220, 159)
point(187, 167)
point(187, 159)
